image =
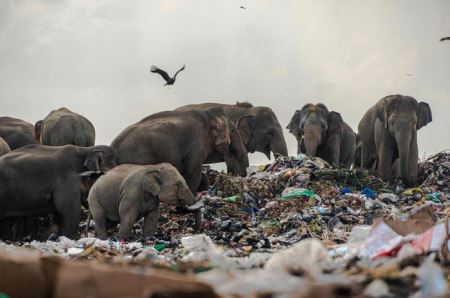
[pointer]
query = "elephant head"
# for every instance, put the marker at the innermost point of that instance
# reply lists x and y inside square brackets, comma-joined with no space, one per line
[312,126]
[400,118]
[166,183]
[261,131]
[99,159]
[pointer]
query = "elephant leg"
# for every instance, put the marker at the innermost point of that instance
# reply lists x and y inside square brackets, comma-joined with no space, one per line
[385,162]
[99,216]
[67,204]
[366,157]
[151,223]
[127,221]
[193,176]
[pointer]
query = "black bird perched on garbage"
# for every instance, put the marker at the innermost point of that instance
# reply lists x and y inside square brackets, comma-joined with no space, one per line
[444,38]
[169,80]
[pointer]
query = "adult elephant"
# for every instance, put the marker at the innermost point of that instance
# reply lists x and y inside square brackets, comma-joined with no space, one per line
[64,127]
[4,147]
[388,132]
[237,146]
[38,180]
[258,126]
[322,133]
[17,133]
[182,138]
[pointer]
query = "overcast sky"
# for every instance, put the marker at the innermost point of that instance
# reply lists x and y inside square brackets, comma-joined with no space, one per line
[94,58]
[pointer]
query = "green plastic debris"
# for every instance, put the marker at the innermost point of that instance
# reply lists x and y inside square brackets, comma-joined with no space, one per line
[270,224]
[434,197]
[233,199]
[158,247]
[294,194]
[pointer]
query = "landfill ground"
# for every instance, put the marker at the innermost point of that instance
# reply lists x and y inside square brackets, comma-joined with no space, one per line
[293,228]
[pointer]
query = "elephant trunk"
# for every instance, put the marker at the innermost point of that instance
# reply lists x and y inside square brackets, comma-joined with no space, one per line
[408,157]
[187,198]
[278,145]
[312,139]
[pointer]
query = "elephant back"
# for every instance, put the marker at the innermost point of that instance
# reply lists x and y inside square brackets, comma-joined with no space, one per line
[64,127]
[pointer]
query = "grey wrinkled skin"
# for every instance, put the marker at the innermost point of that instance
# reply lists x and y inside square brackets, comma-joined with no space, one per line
[388,132]
[39,180]
[258,126]
[322,133]
[182,138]
[17,133]
[129,192]
[4,147]
[64,127]
[237,147]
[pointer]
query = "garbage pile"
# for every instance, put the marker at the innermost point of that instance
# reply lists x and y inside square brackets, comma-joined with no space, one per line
[296,228]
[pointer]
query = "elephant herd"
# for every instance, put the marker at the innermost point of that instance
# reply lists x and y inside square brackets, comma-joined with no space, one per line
[52,168]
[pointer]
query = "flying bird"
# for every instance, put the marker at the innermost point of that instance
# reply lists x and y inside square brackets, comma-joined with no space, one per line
[444,38]
[169,80]
[242,7]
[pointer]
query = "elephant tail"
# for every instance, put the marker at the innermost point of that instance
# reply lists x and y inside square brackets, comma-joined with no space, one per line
[88,221]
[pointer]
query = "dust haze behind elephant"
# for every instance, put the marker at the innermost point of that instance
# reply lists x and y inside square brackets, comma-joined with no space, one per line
[4,147]
[65,127]
[237,146]
[130,192]
[17,133]
[182,138]
[260,132]
[40,180]
[388,133]
[322,133]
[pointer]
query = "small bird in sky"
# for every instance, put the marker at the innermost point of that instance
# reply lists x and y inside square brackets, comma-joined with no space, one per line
[243,7]
[444,38]
[169,80]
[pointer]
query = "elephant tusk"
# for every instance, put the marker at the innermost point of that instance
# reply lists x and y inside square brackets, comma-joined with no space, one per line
[89,173]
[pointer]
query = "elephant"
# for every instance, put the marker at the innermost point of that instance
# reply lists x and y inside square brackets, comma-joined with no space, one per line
[17,133]
[388,132]
[258,126]
[237,146]
[182,138]
[39,180]
[129,192]
[4,147]
[64,127]
[324,134]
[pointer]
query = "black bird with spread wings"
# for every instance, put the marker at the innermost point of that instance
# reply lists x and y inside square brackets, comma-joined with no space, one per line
[166,77]
[444,38]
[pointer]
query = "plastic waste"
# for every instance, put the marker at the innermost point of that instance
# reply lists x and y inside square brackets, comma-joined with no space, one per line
[307,255]
[368,193]
[294,192]
[388,197]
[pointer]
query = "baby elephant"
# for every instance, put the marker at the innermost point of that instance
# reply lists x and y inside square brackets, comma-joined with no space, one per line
[129,192]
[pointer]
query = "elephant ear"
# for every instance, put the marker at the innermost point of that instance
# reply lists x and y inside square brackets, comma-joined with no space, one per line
[294,124]
[94,160]
[381,111]
[423,115]
[220,130]
[335,123]
[152,183]
[244,126]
